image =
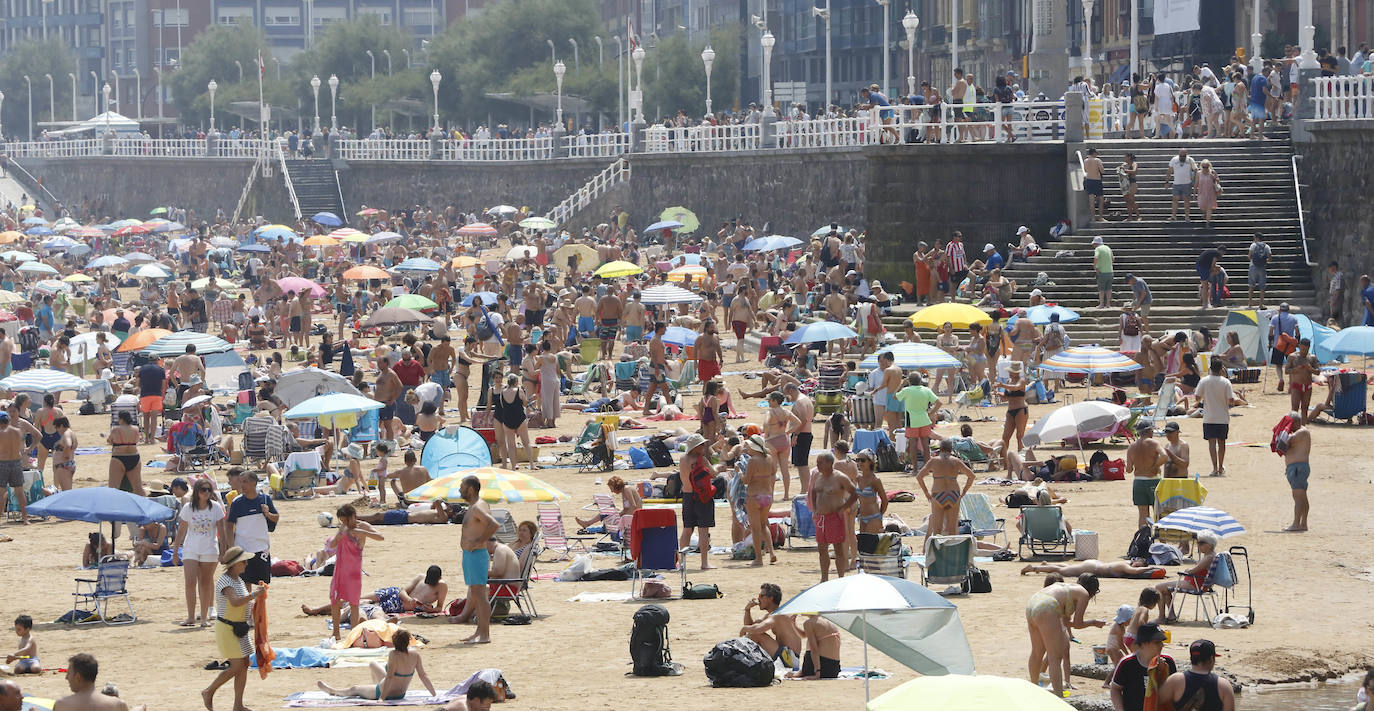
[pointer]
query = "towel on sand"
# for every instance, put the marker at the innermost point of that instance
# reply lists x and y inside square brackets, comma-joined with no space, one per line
[319,699]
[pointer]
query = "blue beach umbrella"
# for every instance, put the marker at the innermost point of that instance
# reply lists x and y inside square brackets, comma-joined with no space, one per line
[770,243]
[262,248]
[679,336]
[912,356]
[664,225]
[1355,340]
[98,504]
[328,219]
[418,264]
[1040,315]
[35,221]
[39,231]
[1201,519]
[333,408]
[487,297]
[821,331]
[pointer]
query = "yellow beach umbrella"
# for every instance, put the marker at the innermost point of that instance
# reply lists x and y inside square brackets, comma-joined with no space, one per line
[10,237]
[8,298]
[691,271]
[497,485]
[585,255]
[464,262]
[618,268]
[321,241]
[78,278]
[957,315]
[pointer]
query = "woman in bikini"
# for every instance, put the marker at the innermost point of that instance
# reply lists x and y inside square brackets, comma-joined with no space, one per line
[45,417]
[943,492]
[947,341]
[126,467]
[1017,413]
[872,495]
[466,357]
[428,420]
[1050,613]
[776,427]
[390,682]
[64,454]
[759,482]
[708,410]
[977,349]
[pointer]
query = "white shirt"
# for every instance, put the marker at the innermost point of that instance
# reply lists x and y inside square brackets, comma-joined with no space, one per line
[1164,98]
[1216,393]
[1208,78]
[1183,170]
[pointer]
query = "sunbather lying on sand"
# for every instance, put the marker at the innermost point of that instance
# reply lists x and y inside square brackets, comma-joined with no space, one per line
[1100,568]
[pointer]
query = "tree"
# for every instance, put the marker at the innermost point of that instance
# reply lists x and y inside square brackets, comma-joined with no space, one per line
[35,58]
[212,56]
[675,78]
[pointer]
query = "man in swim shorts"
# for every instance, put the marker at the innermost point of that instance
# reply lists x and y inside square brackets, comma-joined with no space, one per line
[778,635]
[1297,469]
[478,528]
[1144,459]
[11,470]
[831,493]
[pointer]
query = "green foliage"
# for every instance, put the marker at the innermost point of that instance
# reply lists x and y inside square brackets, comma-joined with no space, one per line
[35,58]
[675,78]
[211,56]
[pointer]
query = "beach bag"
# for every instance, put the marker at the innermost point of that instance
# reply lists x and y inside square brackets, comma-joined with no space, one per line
[658,453]
[1278,443]
[738,663]
[483,331]
[1055,339]
[640,459]
[887,457]
[979,580]
[1285,344]
[703,591]
[1130,325]
[1165,554]
[649,651]
[1141,103]
[1139,549]
[287,569]
[1114,470]
[1095,463]
[655,589]
[1017,499]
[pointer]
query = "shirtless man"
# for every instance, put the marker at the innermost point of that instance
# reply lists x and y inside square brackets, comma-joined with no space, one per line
[1297,469]
[586,312]
[11,466]
[830,497]
[1144,458]
[658,367]
[779,635]
[407,478]
[802,437]
[505,565]
[1301,367]
[387,391]
[303,301]
[957,91]
[296,317]
[1092,184]
[708,351]
[433,512]
[1177,449]
[608,313]
[478,529]
[82,670]
[189,364]
[741,314]
[635,316]
[892,382]
[943,492]
[535,303]
[441,360]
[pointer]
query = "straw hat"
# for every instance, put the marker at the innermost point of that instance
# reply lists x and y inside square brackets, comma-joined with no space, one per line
[234,555]
[756,443]
[693,441]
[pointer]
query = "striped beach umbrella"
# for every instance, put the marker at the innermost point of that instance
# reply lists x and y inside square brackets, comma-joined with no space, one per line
[1200,519]
[477,229]
[691,271]
[912,356]
[42,380]
[497,485]
[175,344]
[418,264]
[668,294]
[1089,359]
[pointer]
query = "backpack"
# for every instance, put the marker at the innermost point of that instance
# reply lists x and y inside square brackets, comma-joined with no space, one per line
[979,581]
[887,458]
[640,459]
[1140,544]
[483,331]
[1261,255]
[658,453]
[1017,499]
[1130,325]
[738,662]
[1055,339]
[649,643]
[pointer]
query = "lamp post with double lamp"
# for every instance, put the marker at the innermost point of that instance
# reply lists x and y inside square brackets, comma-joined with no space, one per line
[577,63]
[434,78]
[138,92]
[887,48]
[334,103]
[211,87]
[1256,62]
[315,89]
[620,84]
[373,60]
[2,120]
[767,41]
[637,105]
[158,71]
[708,57]
[1088,40]
[909,23]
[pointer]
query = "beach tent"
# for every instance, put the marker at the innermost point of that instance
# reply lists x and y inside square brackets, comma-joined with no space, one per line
[99,124]
[222,371]
[450,450]
[1253,328]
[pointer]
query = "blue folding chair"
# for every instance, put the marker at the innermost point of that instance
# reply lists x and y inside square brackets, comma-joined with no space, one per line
[93,595]
[803,524]
[653,545]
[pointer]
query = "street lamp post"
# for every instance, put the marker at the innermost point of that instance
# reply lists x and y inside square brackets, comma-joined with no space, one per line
[558,71]
[887,50]
[315,89]
[73,78]
[138,92]
[1135,39]
[158,71]
[577,63]
[824,14]
[708,57]
[766,42]
[406,52]
[277,61]
[119,98]
[1307,35]
[1088,39]
[553,51]
[637,103]
[954,36]
[106,91]
[600,52]
[387,54]
[52,99]
[434,78]
[334,102]
[2,120]
[1256,38]
[211,87]
[373,59]
[95,89]
[619,84]
[909,23]
[30,92]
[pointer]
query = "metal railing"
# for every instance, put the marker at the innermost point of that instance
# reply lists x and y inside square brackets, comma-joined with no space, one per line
[826,133]
[985,122]
[247,189]
[703,139]
[614,174]
[81,148]
[1302,221]
[53,202]
[286,178]
[596,145]
[1343,97]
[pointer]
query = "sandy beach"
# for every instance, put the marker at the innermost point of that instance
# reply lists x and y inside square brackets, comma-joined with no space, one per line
[1309,590]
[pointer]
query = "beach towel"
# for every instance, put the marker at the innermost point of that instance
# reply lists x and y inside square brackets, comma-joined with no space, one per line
[319,699]
[262,649]
[600,597]
[297,658]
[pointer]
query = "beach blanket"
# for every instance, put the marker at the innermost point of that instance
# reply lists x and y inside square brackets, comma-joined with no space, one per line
[319,699]
[93,450]
[296,658]
[851,673]
[600,597]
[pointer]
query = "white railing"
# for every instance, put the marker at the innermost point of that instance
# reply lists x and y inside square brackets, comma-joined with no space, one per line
[827,133]
[497,149]
[52,149]
[286,178]
[382,149]
[1344,97]
[247,189]
[596,145]
[703,139]
[987,122]
[614,174]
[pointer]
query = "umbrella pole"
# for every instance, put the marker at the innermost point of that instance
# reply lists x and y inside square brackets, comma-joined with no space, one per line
[865,620]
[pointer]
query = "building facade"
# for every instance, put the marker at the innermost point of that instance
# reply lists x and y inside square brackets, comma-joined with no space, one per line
[81,26]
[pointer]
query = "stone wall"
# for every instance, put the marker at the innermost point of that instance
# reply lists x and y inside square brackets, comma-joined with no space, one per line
[469,186]
[123,187]
[1340,212]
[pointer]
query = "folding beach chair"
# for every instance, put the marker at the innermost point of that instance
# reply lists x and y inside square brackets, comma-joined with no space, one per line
[299,473]
[555,537]
[517,590]
[589,349]
[861,413]
[255,435]
[1164,401]
[977,509]
[685,377]
[93,596]
[653,545]
[626,374]
[1221,575]
[1349,401]
[505,531]
[803,524]
[582,448]
[881,554]
[612,523]
[948,560]
[129,407]
[1044,532]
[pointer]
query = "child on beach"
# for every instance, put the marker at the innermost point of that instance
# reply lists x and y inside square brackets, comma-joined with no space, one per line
[381,471]
[25,659]
[347,583]
[1149,598]
[1116,644]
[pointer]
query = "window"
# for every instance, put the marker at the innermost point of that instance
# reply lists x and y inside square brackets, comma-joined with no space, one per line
[322,16]
[417,17]
[172,17]
[281,15]
[1044,17]
[383,14]
[234,16]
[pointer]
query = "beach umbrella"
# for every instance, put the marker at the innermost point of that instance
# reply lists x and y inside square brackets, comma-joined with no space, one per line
[1040,315]
[165,227]
[82,232]
[538,223]
[79,250]
[158,211]
[901,618]
[477,229]
[224,242]
[59,243]
[418,264]
[142,339]
[1089,359]
[296,386]
[487,297]
[677,213]
[366,272]
[960,692]
[77,278]
[958,315]
[498,485]
[299,284]
[36,268]
[42,380]
[668,294]
[130,230]
[15,255]
[379,238]
[320,241]
[1201,519]
[770,243]
[10,237]
[35,220]
[664,225]
[98,504]
[1074,420]
[368,212]
[255,247]
[522,252]
[109,260]
[175,344]
[126,222]
[139,257]
[151,270]
[585,255]
[84,347]
[503,210]
[412,301]
[691,271]
[9,298]
[464,262]
[1355,340]
[52,286]
[328,219]
[277,232]
[683,259]
[821,331]
[616,269]
[39,231]
[393,316]
[912,356]
[680,336]
[333,410]
[824,230]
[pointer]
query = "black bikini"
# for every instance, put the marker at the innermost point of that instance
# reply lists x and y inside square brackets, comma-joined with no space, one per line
[130,461]
[1014,411]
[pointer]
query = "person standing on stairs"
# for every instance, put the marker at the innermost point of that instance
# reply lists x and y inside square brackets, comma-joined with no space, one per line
[1209,283]
[1102,267]
[1259,270]
[1182,169]
[1092,185]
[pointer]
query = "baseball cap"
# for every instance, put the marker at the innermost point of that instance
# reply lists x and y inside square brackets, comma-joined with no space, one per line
[1124,613]
[1022,230]
[1149,632]
[1201,650]
[1284,306]
[1143,426]
[989,248]
[1170,427]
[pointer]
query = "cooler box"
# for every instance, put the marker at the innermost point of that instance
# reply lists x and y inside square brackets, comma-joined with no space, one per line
[1084,545]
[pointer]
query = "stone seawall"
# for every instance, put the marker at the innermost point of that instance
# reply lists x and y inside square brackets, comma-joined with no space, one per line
[129,187]
[469,186]
[1336,192]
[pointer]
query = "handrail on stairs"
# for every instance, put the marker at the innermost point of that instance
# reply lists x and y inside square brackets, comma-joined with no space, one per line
[1302,222]
[53,202]
[247,189]
[286,178]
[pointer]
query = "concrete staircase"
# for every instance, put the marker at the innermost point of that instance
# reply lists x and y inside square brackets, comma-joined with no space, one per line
[1258,197]
[316,186]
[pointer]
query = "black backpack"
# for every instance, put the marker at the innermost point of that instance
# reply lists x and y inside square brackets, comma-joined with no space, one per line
[887,458]
[658,453]
[738,662]
[1140,545]
[649,643]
